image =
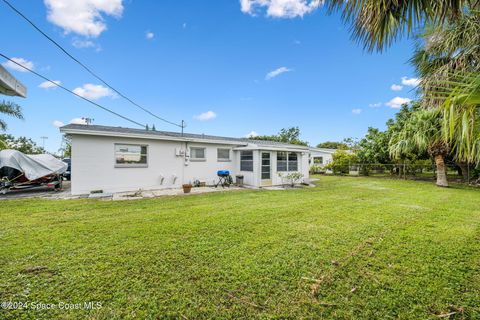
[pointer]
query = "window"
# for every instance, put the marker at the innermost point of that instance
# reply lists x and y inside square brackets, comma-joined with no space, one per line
[292,161]
[281,161]
[197,154]
[223,154]
[246,160]
[287,161]
[318,160]
[130,155]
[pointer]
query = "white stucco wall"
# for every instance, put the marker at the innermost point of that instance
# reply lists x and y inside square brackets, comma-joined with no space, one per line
[93,165]
[327,157]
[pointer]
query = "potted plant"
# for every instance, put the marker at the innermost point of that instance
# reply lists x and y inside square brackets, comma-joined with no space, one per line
[187,188]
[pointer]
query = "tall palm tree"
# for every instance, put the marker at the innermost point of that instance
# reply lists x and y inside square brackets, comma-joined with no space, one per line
[422,133]
[10,109]
[378,23]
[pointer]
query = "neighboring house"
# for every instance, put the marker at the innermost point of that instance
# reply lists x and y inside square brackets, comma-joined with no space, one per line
[321,156]
[114,159]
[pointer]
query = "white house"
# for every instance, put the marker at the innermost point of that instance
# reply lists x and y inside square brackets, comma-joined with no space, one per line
[115,159]
[321,156]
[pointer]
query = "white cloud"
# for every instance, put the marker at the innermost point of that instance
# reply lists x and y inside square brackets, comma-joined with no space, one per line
[184,25]
[205,116]
[397,102]
[48,84]
[356,111]
[13,66]
[277,72]
[375,105]
[58,123]
[396,87]
[84,17]
[412,82]
[149,35]
[93,92]
[251,134]
[81,44]
[78,121]
[280,8]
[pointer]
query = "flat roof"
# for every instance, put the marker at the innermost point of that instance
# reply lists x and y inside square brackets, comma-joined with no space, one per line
[169,135]
[10,86]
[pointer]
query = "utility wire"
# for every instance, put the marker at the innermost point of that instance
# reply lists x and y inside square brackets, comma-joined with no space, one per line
[87,68]
[68,90]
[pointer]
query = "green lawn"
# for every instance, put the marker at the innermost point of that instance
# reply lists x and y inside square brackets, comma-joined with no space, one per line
[355,248]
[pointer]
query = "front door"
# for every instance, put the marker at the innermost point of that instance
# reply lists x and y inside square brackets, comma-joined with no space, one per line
[266,169]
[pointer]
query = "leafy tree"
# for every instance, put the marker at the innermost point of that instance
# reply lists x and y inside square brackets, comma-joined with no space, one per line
[22,144]
[10,109]
[422,133]
[287,135]
[341,161]
[378,23]
[373,148]
[333,145]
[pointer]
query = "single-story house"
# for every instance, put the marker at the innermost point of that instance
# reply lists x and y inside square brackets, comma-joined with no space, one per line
[116,159]
[321,156]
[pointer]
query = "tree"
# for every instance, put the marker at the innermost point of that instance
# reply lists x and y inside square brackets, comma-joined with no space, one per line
[287,135]
[10,109]
[422,133]
[332,145]
[378,23]
[341,161]
[22,144]
[373,148]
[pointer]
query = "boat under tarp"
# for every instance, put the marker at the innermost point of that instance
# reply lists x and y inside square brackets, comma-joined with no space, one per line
[14,163]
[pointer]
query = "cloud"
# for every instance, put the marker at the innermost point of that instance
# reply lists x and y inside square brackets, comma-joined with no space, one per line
[81,44]
[78,121]
[149,35]
[48,84]
[397,102]
[277,72]
[11,65]
[412,82]
[93,92]
[205,116]
[356,111]
[251,134]
[396,87]
[280,8]
[58,123]
[83,17]
[375,105]
[184,25]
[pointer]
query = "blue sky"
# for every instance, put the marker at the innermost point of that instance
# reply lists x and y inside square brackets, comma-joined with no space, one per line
[226,67]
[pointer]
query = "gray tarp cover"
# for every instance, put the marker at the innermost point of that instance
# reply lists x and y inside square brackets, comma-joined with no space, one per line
[32,166]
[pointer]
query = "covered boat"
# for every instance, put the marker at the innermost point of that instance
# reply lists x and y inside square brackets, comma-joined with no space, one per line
[20,170]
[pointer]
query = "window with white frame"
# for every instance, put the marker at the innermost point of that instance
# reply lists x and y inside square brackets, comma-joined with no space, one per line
[287,161]
[318,160]
[197,154]
[131,155]
[223,154]
[246,160]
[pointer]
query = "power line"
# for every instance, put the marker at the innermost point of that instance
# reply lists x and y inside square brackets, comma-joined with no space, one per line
[70,91]
[87,68]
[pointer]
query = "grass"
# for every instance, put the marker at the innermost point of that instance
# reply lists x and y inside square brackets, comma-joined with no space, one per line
[358,248]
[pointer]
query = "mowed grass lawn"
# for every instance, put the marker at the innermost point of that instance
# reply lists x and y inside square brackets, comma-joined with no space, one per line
[351,248]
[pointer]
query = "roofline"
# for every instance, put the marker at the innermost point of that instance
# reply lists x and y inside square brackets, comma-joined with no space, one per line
[272,148]
[146,136]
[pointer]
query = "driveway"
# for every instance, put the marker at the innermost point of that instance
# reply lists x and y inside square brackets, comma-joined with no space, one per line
[39,192]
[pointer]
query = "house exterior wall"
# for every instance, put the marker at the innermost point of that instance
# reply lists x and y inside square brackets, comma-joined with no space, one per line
[93,165]
[327,157]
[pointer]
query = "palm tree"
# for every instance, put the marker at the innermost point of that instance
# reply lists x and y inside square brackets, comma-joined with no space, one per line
[378,23]
[11,109]
[422,133]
